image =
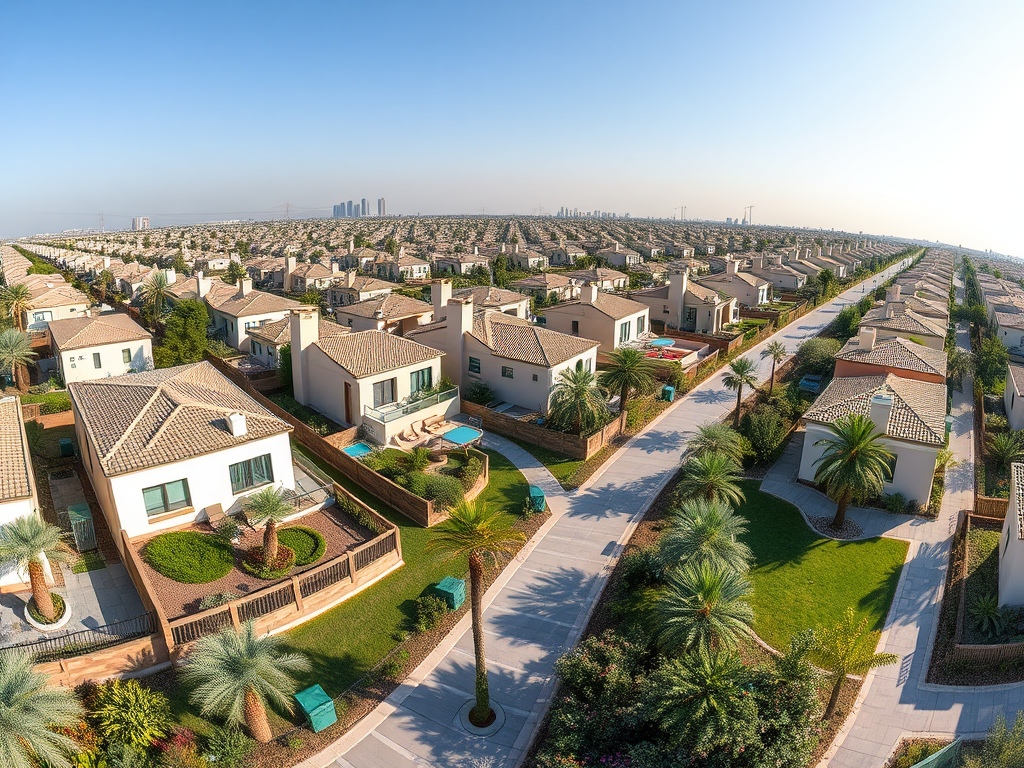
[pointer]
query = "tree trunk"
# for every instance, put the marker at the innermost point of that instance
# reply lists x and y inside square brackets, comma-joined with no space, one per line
[739,400]
[482,711]
[771,381]
[256,718]
[623,397]
[40,592]
[833,700]
[270,542]
[840,519]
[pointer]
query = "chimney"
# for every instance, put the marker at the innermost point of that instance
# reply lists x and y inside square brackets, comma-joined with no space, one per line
[304,327]
[890,310]
[203,284]
[516,248]
[106,262]
[881,408]
[236,424]
[476,250]
[171,276]
[335,267]
[502,247]
[460,322]
[616,246]
[588,293]
[730,266]
[677,284]
[440,296]
[866,339]
[757,263]
[245,286]
[351,244]
[893,293]
[289,268]
[350,278]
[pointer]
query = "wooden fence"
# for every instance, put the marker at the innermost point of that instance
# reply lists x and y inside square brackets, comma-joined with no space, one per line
[988,506]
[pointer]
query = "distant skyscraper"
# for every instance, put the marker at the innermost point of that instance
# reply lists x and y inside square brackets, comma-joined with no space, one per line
[365,210]
[339,211]
[350,211]
[382,208]
[139,223]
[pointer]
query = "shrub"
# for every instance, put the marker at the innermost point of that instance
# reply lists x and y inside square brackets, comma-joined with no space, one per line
[52,402]
[845,324]
[308,545]
[229,747]
[255,563]
[130,714]
[766,430]
[986,616]
[640,568]
[126,756]
[430,609]
[40,389]
[470,472]
[479,393]
[896,503]
[216,600]
[816,356]
[360,515]
[444,490]
[996,423]
[190,557]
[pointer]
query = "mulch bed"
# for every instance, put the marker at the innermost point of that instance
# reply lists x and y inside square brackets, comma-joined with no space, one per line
[823,525]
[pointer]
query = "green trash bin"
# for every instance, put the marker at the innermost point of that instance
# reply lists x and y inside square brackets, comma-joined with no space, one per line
[318,707]
[668,393]
[537,498]
[452,591]
[67,447]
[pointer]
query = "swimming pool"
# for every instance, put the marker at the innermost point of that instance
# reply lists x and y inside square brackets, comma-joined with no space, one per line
[357,450]
[462,435]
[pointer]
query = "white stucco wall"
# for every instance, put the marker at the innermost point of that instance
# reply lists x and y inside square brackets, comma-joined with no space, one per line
[78,364]
[58,313]
[1011,337]
[236,333]
[1013,401]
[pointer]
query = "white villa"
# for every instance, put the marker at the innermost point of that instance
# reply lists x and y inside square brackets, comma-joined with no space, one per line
[17,480]
[610,320]
[101,346]
[1011,544]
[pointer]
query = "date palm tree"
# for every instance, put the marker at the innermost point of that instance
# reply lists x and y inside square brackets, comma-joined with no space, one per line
[25,541]
[15,353]
[702,606]
[629,371]
[576,403]
[959,363]
[711,476]
[702,531]
[30,710]
[1005,448]
[854,461]
[777,352]
[268,507]
[739,374]
[103,280]
[16,300]
[716,437]
[154,292]
[480,536]
[237,673]
[845,649]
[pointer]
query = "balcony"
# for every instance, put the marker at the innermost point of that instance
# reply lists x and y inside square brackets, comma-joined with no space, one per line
[389,413]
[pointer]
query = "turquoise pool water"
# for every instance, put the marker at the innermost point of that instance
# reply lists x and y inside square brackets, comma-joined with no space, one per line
[357,450]
[462,435]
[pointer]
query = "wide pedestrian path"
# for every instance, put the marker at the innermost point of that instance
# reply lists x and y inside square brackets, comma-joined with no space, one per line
[539,606]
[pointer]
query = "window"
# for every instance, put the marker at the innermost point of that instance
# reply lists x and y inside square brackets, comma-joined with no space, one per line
[506,372]
[665,310]
[166,498]
[691,314]
[383,393]
[257,348]
[624,330]
[575,327]
[535,377]
[474,365]
[420,380]
[890,469]
[126,355]
[42,317]
[96,361]
[250,473]
[639,325]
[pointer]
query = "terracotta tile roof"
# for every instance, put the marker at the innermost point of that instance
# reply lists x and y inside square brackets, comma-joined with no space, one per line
[549,280]
[369,352]
[744,277]
[387,307]
[279,331]
[253,303]
[15,467]
[1009,319]
[189,288]
[597,274]
[160,417]
[907,322]
[1016,372]
[918,407]
[364,284]
[488,296]
[615,307]
[61,295]
[516,339]
[111,328]
[897,353]
[312,271]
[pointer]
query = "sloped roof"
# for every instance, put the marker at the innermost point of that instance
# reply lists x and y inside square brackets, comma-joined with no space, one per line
[597,274]
[253,303]
[615,307]
[15,467]
[364,284]
[516,339]
[149,419]
[370,352]
[279,331]
[59,296]
[488,296]
[896,353]
[907,321]
[81,332]
[549,280]
[386,307]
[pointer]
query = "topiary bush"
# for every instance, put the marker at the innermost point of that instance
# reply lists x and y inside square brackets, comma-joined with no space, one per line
[255,564]
[896,503]
[131,714]
[190,557]
[470,472]
[766,430]
[430,609]
[308,545]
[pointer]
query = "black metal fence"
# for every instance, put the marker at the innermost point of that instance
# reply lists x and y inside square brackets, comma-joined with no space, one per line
[87,640]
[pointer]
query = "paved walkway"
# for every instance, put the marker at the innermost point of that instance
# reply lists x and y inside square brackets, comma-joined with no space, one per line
[539,606]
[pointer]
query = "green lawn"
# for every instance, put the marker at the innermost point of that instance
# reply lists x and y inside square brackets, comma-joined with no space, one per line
[562,467]
[803,581]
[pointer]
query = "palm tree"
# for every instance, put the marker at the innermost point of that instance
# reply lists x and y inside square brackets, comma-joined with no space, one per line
[959,363]
[740,374]
[576,402]
[25,541]
[478,535]
[15,353]
[844,650]
[702,606]
[854,460]
[270,507]
[16,300]
[715,437]
[629,371]
[704,531]
[711,476]
[237,673]
[1005,448]
[104,279]
[29,711]
[703,700]
[777,352]
[154,291]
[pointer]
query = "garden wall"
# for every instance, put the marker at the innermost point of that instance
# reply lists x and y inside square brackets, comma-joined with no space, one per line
[132,659]
[987,506]
[779,317]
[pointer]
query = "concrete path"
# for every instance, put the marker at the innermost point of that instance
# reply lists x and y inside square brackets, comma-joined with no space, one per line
[539,606]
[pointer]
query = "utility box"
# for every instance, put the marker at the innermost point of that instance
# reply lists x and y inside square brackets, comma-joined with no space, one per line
[67,447]
[452,591]
[318,707]
[668,394]
[537,500]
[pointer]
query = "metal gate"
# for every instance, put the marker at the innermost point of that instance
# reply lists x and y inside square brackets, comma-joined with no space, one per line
[78,519]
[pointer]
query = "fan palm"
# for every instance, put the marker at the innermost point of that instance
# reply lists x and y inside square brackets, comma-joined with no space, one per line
[237,673]
[270,507]
[479,536]
[629,371]
[711,476]
[702,606]
[958,364]
[15,353]
[702,531]
[715,437]
[576,403]
[1005,448]
[25,541]
[854,461]
[845,649]
[777,352]
[16,300]
[739,374]
[154,291]
[29,711]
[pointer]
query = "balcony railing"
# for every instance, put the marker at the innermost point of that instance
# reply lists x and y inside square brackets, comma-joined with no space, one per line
[398,410]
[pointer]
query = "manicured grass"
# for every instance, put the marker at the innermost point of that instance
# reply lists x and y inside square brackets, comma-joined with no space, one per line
[802,581]
[46,442]
[982,577]
[53,402]
[562,467]
[308,545]
[89,561]
[190,557]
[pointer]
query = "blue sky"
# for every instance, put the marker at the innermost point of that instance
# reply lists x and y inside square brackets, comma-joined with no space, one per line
[893,118]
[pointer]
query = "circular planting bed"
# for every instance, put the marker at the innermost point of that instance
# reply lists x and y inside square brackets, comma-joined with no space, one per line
[256,564]
[40,622]
[307,544]
[190,557]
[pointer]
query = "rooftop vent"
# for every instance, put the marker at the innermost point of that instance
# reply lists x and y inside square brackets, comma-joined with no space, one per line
[236,424]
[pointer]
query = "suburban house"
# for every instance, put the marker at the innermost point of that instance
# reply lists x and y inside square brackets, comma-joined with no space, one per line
[391,313]
[604,278]
[521,362]
[525,258]
[111,344]
[653,272]
[911,414]
[266,340]
[351,288]
[400,267]
[837,269]
[175,446]
[1011,543]
[610,320]
[1009,329]
[17,481]
[267,271]
[243,309]
[306,277]
[620,256]
[484,297]
[782,277]
[936,310]
[864,355]
[892,320]
[548,285]
[54,301]
[687,305]
[362,259]
[564,254]
[748,289]
[651,250]
[1014,389]
[378,381]
[460,263]
[681,250]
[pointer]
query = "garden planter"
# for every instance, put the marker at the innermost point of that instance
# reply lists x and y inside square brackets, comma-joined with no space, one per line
[61,622]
